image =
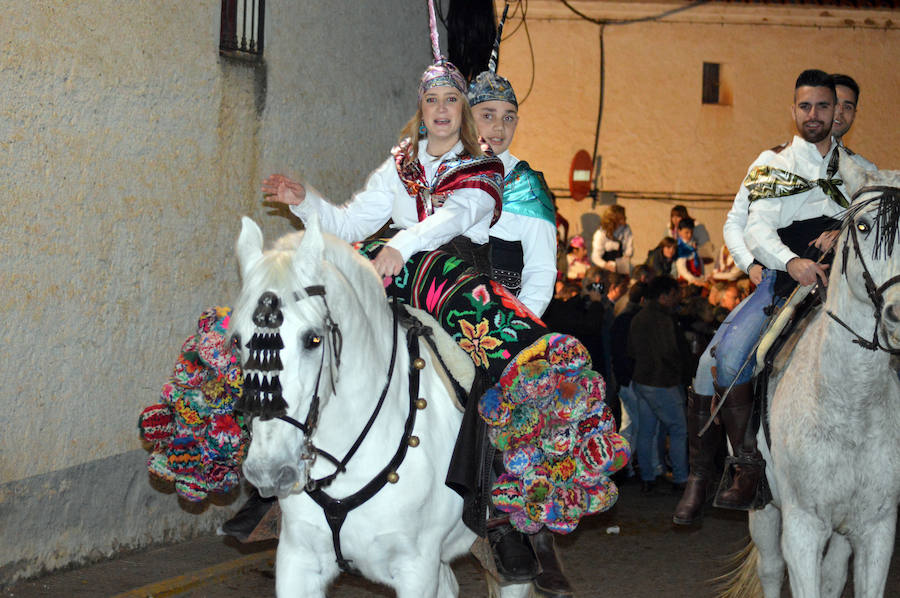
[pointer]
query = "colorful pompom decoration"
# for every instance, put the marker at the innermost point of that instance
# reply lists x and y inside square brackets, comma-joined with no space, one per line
[196,440]
[549,417]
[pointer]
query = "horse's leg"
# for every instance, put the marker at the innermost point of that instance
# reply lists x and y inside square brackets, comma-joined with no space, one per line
[803,539]
[304,561]
[417,576]
[298,573]
[872,557]
[834,566]
[765,531]
[447,585]
[515,590]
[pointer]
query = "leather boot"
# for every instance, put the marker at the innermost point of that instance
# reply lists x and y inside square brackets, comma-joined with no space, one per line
[551,582]
[513,554]
[250,516]
[701,482]
[735,415]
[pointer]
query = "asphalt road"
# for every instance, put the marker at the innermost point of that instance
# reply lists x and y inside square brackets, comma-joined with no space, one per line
[632,550]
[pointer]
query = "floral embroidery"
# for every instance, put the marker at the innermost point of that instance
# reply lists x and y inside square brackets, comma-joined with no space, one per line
[434,295]
[481,293]
[511,302]
[476,341]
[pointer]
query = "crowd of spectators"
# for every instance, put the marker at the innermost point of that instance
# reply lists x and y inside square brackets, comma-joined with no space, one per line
[646,326]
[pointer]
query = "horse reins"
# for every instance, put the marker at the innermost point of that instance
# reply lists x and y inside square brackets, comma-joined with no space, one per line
[874,292]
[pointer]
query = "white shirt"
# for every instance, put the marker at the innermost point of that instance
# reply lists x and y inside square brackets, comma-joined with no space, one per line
[622,238]
[465,212]
[538,238]
[767,215]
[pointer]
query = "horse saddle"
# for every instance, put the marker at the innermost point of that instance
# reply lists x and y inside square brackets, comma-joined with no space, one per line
[454,363]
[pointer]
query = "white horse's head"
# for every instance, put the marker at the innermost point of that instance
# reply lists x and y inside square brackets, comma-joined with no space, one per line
[297,301]
[868,254]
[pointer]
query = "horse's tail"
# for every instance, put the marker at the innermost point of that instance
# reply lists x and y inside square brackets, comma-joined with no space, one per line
[741,581]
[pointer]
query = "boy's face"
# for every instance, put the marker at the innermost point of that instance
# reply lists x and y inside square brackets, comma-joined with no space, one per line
[686,234]
[496,121]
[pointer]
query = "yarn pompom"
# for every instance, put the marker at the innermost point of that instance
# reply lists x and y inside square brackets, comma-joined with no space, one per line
[197,441]
[548,416]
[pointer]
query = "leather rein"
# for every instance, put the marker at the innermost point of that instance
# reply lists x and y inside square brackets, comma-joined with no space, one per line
[874,292]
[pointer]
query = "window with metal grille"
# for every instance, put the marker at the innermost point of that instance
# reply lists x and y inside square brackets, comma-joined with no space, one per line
[242,27]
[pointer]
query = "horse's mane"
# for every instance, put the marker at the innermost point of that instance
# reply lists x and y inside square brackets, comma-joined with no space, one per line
[887,217]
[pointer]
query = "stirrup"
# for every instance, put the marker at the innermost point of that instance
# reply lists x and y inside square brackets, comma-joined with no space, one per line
[763,494]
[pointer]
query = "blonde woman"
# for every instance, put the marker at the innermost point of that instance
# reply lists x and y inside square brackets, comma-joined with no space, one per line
[613,243]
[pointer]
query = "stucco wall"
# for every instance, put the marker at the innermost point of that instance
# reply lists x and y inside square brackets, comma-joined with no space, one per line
[128,152]
[657,140]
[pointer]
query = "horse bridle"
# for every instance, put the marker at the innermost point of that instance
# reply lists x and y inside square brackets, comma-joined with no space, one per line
[336,510]
[875,292]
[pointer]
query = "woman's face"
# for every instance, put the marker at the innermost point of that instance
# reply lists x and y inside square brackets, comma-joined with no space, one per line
[675,218]
[669,251]
[442,113]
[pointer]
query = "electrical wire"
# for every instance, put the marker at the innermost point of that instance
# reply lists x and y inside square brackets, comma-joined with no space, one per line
[661,15]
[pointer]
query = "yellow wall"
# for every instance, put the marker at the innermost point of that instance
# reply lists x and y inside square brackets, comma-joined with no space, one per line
[657,140]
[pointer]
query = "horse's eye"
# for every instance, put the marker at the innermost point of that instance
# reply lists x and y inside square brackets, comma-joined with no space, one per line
[862,227]
[312,340]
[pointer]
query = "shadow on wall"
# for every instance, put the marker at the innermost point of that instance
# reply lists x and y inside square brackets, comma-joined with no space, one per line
[590,222]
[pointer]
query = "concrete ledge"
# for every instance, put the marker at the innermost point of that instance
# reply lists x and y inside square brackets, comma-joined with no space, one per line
[93,511]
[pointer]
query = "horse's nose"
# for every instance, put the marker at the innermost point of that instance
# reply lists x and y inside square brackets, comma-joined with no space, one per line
[892,313]
[287,477]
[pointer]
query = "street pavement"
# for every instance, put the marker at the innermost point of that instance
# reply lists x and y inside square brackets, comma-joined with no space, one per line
[633,550]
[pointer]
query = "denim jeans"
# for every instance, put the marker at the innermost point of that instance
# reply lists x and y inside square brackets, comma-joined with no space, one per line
[631,425]
[664,405]
[735,340]
[703,379]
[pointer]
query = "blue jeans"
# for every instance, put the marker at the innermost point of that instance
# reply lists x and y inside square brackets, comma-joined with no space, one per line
[664,405]
[631,425]
[735,340]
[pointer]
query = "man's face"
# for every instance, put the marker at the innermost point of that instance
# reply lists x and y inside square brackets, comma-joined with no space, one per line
[845,111]
[813,112]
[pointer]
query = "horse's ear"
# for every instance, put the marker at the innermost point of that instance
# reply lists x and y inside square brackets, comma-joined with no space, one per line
[312,245]
[853,174]
[249,245]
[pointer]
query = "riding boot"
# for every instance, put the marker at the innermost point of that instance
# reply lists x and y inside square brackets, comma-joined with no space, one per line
[700,485]
[251,516]
[551,582]
[513,555]
[736,415]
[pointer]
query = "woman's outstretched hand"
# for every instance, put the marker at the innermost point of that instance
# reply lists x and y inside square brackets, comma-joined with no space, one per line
[281,189]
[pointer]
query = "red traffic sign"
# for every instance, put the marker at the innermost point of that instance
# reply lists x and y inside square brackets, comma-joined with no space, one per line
[580,175]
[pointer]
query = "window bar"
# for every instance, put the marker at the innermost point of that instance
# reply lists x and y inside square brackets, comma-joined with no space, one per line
[244,45]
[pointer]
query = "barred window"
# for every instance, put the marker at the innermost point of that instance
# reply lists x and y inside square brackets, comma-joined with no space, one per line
[242,27]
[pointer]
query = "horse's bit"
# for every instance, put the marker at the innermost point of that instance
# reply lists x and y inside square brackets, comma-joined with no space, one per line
[874,292]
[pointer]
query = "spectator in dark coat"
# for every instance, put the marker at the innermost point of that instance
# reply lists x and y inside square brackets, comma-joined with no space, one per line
[660,354]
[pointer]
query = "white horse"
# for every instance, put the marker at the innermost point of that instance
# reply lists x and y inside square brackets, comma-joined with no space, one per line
[343,414]
[834,467]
